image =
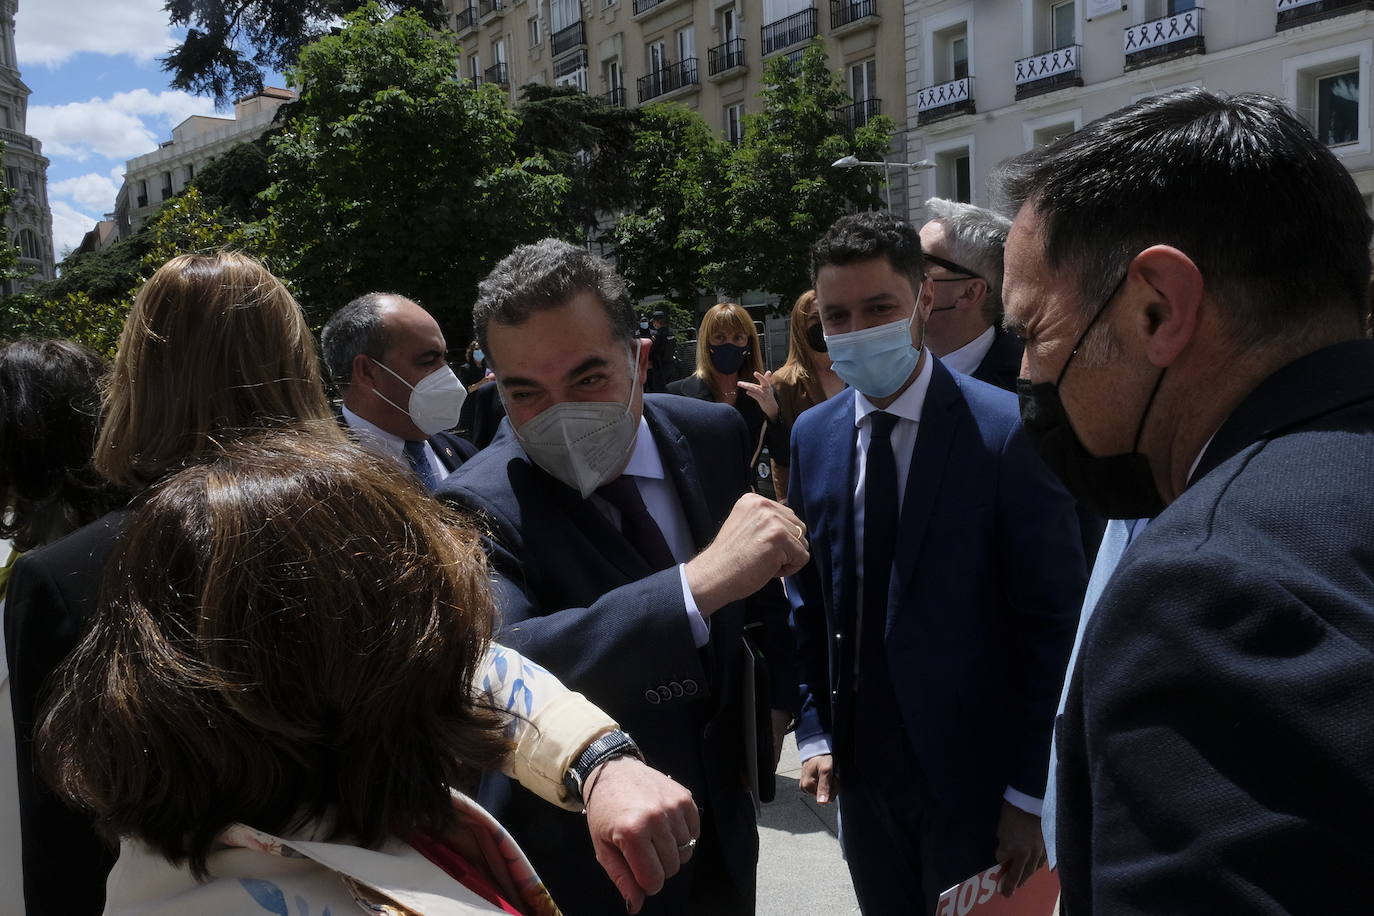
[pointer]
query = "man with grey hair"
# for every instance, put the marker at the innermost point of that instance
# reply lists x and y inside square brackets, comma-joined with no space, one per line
[629,557]
[386,356]
[963,246]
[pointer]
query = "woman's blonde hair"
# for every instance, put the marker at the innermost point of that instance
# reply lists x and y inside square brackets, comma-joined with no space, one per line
[731,319]
[214,346]
[800,367]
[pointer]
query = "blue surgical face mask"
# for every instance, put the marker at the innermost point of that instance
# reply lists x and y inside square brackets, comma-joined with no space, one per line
[875,361]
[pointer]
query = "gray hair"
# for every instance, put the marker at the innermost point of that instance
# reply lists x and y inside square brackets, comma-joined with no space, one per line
[355,328]
[547,275]
[976,238]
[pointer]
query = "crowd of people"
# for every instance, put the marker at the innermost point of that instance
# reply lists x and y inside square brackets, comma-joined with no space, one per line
[265,653]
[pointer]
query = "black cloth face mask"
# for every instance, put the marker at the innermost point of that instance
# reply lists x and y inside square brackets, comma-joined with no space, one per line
[815,337]
[727,358]
[1112,486]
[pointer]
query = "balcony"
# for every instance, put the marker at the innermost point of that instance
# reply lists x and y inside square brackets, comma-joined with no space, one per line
[1294,13]
[794,29]
[1164,39]
[644,6]
[615,98]
[1047,72]
[668,81]
[498,74]
[15,140]
[564,40]
[944,100]
[725,57]
[845,13]
[465,20]
[489,9]
[852,117]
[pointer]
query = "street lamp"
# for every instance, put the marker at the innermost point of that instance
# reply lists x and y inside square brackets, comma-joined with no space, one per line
[849,162]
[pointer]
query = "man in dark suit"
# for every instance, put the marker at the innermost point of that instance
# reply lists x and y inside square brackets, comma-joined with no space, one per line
[1190,274]
[936,619]
[662,354]
[387,357]
[629,557]
[963,246]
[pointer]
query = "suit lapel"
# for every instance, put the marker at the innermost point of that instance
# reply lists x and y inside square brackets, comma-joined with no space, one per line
[676,456]
[838,491]
[593,525]
[934,436]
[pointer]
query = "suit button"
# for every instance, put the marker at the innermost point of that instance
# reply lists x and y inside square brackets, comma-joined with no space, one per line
[689,687]
[676,688]
[651,696]
[664,693]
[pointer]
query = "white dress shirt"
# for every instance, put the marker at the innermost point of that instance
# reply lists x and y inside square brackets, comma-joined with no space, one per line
[665,507]
[908,409]
[967,358]
[389,445]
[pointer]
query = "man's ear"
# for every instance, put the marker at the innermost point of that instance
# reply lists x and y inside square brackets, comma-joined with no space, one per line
[1168,290]
[925,298]
[975,293]
[643,343]
[364,372]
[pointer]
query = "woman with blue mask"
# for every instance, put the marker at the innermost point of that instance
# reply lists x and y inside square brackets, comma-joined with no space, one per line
[730,371]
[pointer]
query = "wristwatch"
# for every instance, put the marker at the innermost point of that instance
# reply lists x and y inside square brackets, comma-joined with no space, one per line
[609,746]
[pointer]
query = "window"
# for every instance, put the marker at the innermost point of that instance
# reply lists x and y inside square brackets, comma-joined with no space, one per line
[166,185]
[535,37]
[190,172]
[498,51]
[729,25]
[5,120]
[954,173]
[686,44]
[1179,6]
[958,57]
[143,193]
[734,123]
[475,68]
[28,245]
[571,71]
[1044,136]
[1338,108]
[564,14]
[615,78]
[863,80]
[656,54]
[1063,30]
[11,177]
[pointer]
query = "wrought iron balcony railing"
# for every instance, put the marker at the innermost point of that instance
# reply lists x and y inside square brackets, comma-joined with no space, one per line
[1051,70]
[789,31]
[1292,13]
[670,78]
[497,74]
[466,19]
[614,98]
[486,7]
[843,12]
[852,117]
[944,100]
[725,56]
[1164,38]
[566,39]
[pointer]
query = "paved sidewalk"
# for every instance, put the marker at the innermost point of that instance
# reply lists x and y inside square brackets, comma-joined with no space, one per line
[800,869]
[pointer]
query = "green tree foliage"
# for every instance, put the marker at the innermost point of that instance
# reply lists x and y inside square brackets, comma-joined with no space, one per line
[781,192]
[393,175]
[230,43]
[677,171]
[585,140]
[235,178]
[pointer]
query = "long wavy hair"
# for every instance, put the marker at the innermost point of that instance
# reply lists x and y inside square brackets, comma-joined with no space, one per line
[800,366]
[214,346]
[287,636]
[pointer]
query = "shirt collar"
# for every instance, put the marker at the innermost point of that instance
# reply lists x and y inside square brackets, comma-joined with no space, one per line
[967,358]
[645,460]
[909,405]
[372,436]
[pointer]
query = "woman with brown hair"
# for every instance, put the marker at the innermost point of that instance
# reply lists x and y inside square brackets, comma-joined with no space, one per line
[730,371]
[806,378]
[276,701]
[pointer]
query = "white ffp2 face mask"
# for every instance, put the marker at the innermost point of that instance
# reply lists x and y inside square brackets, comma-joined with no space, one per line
[583,444]
[436,402]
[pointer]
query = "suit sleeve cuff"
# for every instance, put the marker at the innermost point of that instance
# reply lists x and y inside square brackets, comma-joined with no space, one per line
[1026,803]
[701,627]
[814,746]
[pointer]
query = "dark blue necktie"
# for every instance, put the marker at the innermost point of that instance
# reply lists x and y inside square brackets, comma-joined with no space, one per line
[636,523]
[880,528]
[420,464]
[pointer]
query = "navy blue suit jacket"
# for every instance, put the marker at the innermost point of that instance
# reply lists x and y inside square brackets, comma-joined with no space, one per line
[576,597]
[983,601]
[1216,751]
[1001,365]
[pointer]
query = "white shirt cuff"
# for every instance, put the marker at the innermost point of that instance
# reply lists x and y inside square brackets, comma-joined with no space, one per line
[814,746]
[701,627]
[1026,803]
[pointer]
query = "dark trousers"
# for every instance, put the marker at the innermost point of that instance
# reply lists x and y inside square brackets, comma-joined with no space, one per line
[903,847]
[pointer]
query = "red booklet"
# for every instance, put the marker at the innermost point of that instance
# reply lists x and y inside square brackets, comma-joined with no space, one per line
[978,896]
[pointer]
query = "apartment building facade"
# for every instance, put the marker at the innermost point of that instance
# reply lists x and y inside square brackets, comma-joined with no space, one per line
[155,177]
[706,54]
[994,78]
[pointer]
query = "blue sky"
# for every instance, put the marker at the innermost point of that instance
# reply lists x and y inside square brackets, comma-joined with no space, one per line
[99,98]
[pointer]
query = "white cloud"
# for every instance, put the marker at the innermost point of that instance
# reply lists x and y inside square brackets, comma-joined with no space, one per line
[91,192]
[69,225]
[125,125]
[50,32]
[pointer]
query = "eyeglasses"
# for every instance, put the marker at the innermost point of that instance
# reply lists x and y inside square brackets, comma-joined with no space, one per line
[952,268]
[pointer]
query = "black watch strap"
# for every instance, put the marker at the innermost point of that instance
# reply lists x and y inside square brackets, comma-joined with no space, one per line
[609,746]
